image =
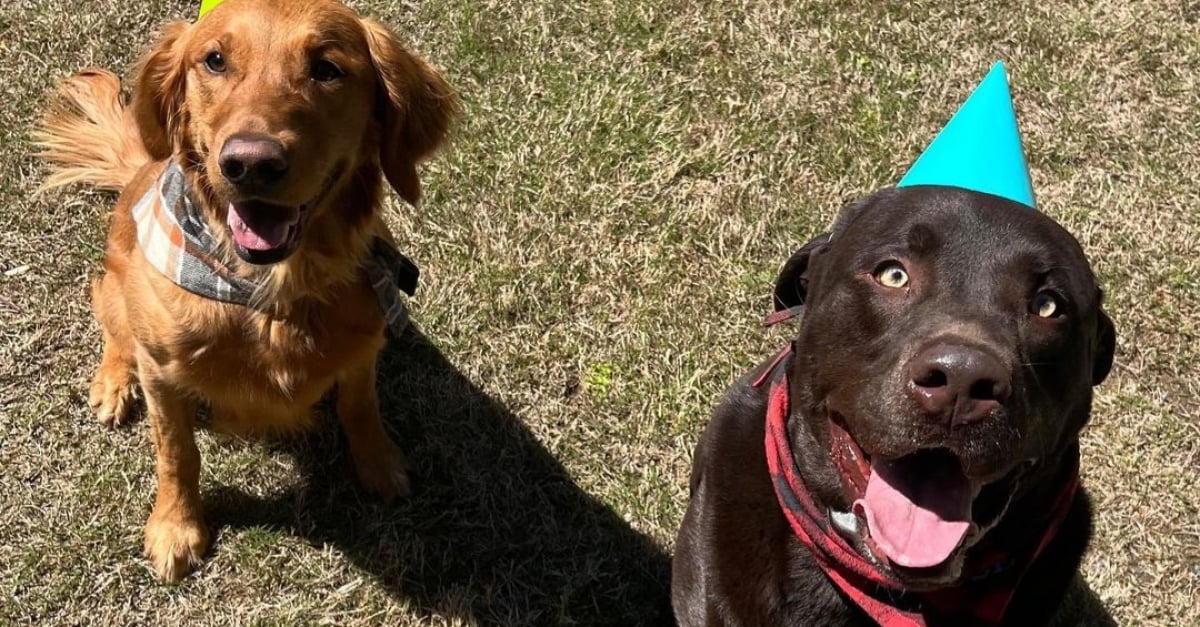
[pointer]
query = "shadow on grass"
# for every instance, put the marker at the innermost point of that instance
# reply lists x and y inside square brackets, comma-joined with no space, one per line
[1083,607]
[495,531]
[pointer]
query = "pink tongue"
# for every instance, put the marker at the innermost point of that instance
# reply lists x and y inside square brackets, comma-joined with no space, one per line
[257,233]
[917,508]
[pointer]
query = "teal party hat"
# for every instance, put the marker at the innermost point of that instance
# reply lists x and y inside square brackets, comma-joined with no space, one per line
[980,147]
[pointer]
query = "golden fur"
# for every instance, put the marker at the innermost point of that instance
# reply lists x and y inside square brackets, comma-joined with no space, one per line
[316,324]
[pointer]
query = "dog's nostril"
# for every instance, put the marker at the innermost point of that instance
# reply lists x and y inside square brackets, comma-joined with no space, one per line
[233,169]
[932,378]
[273,169]
[990,390]
[985,390]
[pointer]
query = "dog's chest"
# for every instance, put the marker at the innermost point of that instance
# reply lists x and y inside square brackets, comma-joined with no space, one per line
[237,355]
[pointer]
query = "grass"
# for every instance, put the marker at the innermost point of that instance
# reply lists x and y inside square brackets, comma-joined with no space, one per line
[597,249]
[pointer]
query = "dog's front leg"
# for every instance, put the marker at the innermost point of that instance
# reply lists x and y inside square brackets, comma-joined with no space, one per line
[380,465]
[176,537]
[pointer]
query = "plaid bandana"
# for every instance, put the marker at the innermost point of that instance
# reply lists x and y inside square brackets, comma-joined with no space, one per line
[983,597]
[177,242]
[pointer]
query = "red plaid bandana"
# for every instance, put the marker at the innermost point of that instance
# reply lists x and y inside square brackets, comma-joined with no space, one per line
[980,599]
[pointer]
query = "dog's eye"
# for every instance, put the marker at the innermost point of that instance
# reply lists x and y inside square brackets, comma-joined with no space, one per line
[215,62]
[1045,305]
[892,274]
[324,71]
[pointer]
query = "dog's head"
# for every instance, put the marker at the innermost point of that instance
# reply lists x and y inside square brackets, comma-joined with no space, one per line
[276,107]
[945,364]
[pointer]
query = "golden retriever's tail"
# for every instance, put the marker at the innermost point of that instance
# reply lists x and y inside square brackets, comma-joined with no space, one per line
[86,135]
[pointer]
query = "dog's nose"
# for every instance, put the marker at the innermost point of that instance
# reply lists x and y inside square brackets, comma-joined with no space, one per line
[959,384]
[249,159]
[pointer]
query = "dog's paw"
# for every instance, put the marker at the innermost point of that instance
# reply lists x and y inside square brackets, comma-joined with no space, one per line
[383,471]
[112,398]
[175,546]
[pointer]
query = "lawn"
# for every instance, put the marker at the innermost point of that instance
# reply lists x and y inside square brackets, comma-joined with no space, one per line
[597,247]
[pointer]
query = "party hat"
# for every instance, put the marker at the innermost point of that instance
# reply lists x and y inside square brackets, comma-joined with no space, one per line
[207,5]
[980,147]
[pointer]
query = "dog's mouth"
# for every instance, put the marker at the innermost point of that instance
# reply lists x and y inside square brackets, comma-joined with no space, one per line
[264,232]
[917,512]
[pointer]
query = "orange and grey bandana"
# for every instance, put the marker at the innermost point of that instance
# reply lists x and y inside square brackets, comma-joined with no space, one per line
[178,243]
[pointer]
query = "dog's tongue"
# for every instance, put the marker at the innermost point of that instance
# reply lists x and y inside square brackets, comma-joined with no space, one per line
[259,227]
[918,508]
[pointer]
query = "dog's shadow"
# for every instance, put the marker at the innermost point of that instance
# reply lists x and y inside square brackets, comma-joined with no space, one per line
[495,532]
[1083,608]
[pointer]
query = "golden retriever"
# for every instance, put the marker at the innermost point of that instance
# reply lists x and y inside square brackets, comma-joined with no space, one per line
[280,117]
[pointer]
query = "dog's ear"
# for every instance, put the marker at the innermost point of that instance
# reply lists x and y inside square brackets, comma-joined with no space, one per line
[1105,347]
[159,92]
[415,109]
[791,286]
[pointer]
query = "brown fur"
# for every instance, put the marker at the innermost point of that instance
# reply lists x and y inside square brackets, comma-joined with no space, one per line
[316,324]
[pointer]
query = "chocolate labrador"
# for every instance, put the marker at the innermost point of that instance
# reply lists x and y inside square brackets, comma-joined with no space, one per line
[911,458]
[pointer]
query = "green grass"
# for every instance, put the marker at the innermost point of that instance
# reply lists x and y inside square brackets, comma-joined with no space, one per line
[597,248]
